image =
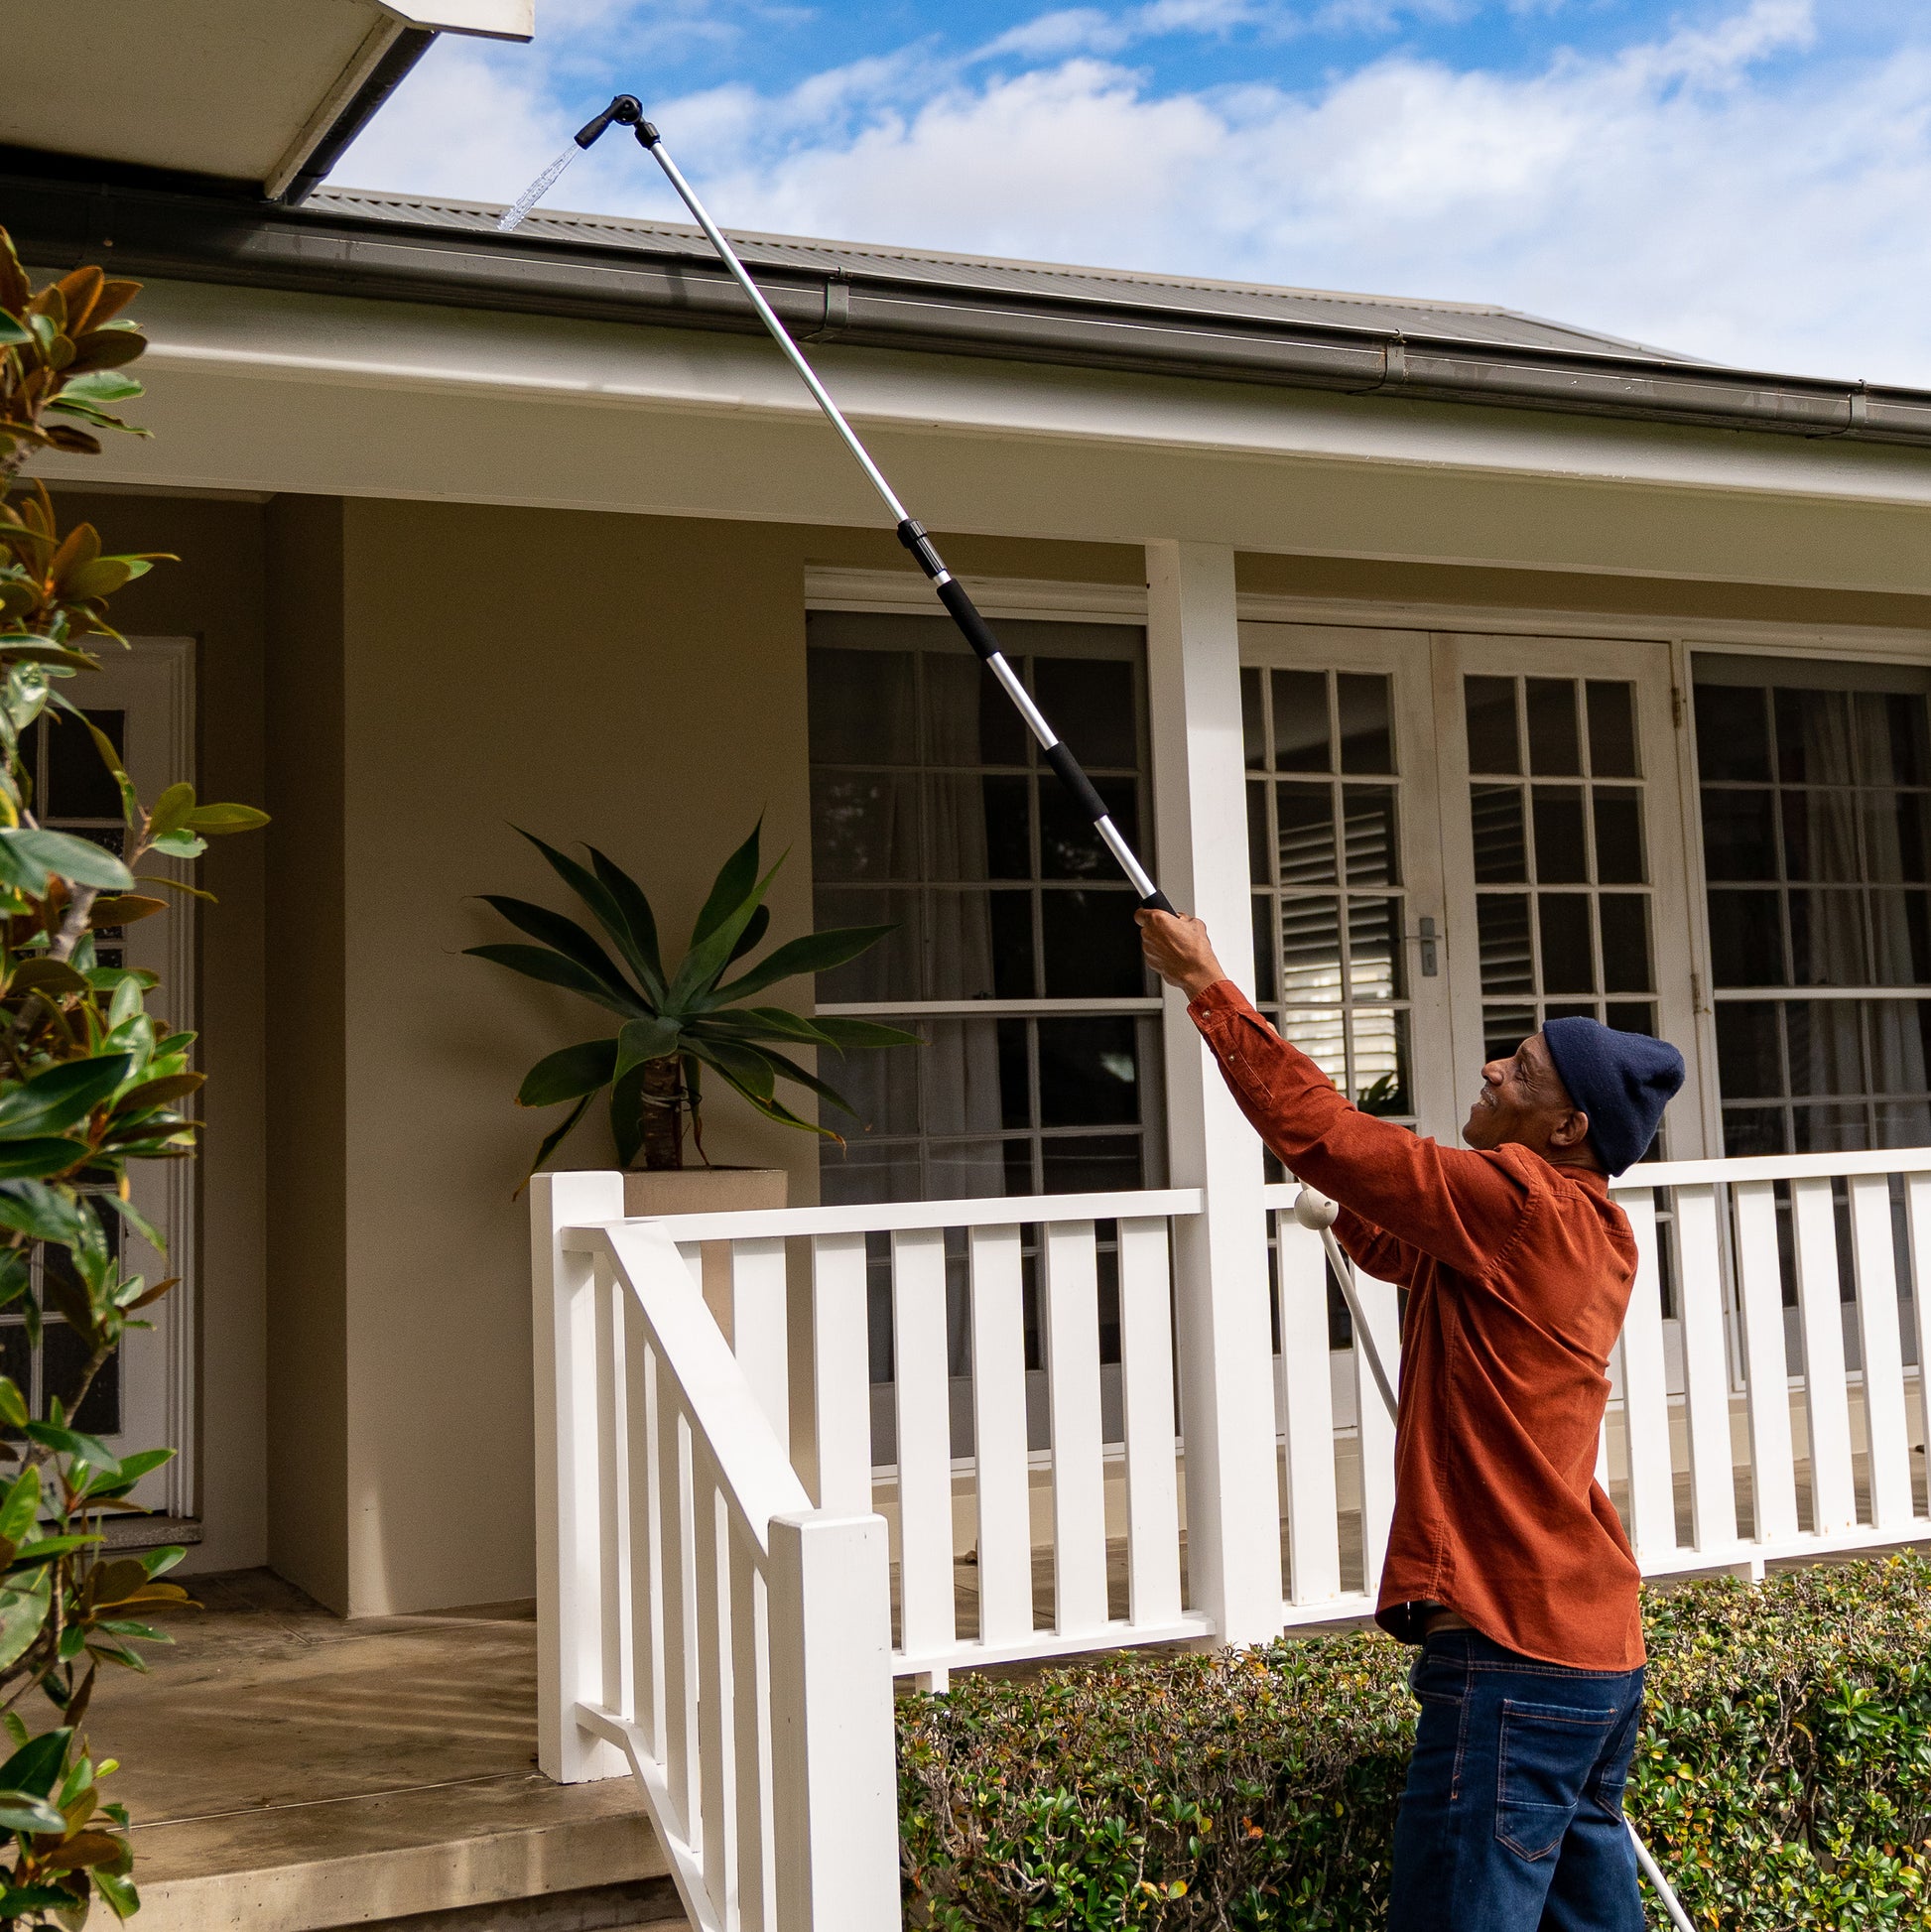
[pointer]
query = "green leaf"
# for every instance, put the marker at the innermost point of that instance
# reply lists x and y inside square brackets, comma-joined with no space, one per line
[565,937]
[847,1034]
[13,333]
[21,1810]
[124,1900]
[32,1207]
[749,940]
[41,1159]
[632,923]
[705,960]
[37,1765]
[24,1605]
[20,1507]
[89,1449]
[63,1095]
[555,1138]
[789,1070]
[749,1069]
[28,856]
[539,962]
[171,810]
[642,1039]
[627,1115]
[763,1023]
[216,821]
[16,1899]
[101,386]
[637,944]
[813,952]
[568,1073]
[13,1411]
[735,879]
[179,844]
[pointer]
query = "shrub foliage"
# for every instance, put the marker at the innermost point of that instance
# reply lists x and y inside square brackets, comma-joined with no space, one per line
[1783,1778]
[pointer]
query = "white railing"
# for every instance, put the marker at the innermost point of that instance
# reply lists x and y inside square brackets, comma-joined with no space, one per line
[700,1622]
[733,1646]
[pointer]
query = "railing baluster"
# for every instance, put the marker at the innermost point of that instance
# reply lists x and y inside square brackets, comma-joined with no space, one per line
[645,1524]
[1313,1525]
[613,1611]
[1070,1294]
[716,1733]
[842,1372]
[1645,1396]
[1706,1373]
[1917,1223]
[750,1736]
[1773,1467]
[761,1337]
[1827,1405]
[678,1566]
[1376,1433]
[1002,1480]
[1887,1442]
[1147,1382]
[923,1396]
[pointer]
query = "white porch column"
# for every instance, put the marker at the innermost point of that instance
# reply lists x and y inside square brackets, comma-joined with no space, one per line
[1226,1375]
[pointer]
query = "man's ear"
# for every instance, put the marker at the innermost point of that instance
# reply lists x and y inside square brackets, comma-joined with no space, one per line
[1571,1131]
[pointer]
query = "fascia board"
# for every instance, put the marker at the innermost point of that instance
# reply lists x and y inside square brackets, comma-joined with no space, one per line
[333,340]
[495,20]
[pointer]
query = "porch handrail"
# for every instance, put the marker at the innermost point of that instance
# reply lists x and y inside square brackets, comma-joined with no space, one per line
[1772,1167]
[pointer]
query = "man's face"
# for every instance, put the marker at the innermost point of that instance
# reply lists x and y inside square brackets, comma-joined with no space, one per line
[1524,1103]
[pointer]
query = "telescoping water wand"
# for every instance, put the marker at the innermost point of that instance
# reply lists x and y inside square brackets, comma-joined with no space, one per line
[1314,1210]
[627,111]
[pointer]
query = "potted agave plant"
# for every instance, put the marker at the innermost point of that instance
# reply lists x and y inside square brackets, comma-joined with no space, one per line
[678,1024]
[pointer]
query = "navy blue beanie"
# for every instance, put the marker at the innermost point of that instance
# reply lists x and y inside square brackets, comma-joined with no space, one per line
[1621,1080]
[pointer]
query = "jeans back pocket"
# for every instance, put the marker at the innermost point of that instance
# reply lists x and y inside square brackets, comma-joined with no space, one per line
[1546,1756]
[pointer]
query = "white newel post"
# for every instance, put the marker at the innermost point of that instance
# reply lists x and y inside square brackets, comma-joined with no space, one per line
[1227,1382]
[835,1783]
[570,1656]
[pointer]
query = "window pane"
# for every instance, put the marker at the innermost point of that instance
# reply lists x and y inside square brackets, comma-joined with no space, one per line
[1366,729]
[1381,1062]
[964,942]
[1374,949]
[861,707]
[1899,1033]
[968,1081]
[1739,840]
[1829,1130]
[1253,726]
[1305,815]
[1367,827]
[1258,872]
[864,825]
[1618,837]
[1321,1034]
[1263,921]
[1907,730]
[1092,700]
[1749,1056]
[1301,736]
[1309,949]
[1069,847]
[1504,1029]
[1560,858]
[1813,737]
[1612,729]
[1567,966]
[1732,733]
[887,971]
[79,784]
[1900,939]
[1093,947]
[964,1170]
[968,720]
[1500,848]
[1495,742]
[1092,1163]
[1630,1017]
[1754,1131]
[1826,939]
[1507,963]
[1625,942]
[1014,976]
[882,1087]
[1089,1073]
[1747,940]
[64,1358]
[1826,1046]
[1007,807]
[1555,748]
[1820,836]
[1898,835]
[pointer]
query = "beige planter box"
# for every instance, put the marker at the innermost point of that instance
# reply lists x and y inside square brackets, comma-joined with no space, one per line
[704,1190]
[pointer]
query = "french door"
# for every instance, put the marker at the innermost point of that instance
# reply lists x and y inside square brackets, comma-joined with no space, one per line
[1455,837]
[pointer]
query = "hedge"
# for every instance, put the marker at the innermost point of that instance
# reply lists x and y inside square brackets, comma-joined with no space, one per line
[1783,1777]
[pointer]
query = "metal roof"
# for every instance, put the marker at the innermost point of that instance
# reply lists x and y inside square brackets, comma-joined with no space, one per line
[1468,321]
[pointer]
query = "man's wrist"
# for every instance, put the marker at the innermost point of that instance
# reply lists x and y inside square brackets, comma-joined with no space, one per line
[1197,983]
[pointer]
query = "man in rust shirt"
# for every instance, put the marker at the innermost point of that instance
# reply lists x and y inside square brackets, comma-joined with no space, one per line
[1506,1563]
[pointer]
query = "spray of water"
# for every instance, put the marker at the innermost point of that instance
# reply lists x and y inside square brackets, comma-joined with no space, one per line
[537,190]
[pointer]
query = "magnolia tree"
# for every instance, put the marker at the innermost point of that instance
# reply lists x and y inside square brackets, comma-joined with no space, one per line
[90,1082]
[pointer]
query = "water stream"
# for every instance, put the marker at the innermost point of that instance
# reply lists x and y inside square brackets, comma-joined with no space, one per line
[537,190]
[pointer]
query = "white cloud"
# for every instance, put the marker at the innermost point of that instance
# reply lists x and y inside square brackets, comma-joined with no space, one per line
[1703,188]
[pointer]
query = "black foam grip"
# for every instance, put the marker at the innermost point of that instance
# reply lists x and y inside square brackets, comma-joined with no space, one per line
[964,613]
[1159,902]
[1076,781]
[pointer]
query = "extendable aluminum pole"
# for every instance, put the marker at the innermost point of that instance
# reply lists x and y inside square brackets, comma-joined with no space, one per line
[1312,1209]
[627,111]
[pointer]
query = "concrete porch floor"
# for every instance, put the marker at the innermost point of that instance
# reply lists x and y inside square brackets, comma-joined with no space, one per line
[287,1772]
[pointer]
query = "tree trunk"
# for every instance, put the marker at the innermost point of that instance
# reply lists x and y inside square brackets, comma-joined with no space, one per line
[664,1112]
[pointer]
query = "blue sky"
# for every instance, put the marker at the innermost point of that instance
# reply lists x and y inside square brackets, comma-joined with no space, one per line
[1746,180]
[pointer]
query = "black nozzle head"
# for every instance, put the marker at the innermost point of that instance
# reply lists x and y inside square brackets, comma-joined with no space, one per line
[626,111]
[647,136]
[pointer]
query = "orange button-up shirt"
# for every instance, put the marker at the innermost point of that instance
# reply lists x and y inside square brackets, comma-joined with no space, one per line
[1518,1276]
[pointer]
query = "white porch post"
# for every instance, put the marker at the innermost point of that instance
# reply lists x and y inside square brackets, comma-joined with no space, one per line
[1227,1378]
[569,1649]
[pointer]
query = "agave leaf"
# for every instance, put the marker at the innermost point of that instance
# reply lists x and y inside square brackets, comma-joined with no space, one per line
[609,914]
[735,879]
[567,936]
[749,940]
[555,1140]
[539,962]
[632,925]
[813,953]
[847,1034]
[569,1073]
[688,990]
[644,1040]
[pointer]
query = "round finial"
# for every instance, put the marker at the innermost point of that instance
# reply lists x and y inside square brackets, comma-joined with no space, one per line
[1312,1209]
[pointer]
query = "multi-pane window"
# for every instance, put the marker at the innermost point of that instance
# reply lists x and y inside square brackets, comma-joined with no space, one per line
[1816,783]
[1324,847]
[1561,877]
[71,790]
[1014,951]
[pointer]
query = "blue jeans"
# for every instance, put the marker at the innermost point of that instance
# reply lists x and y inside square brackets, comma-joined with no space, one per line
[1512,1817]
